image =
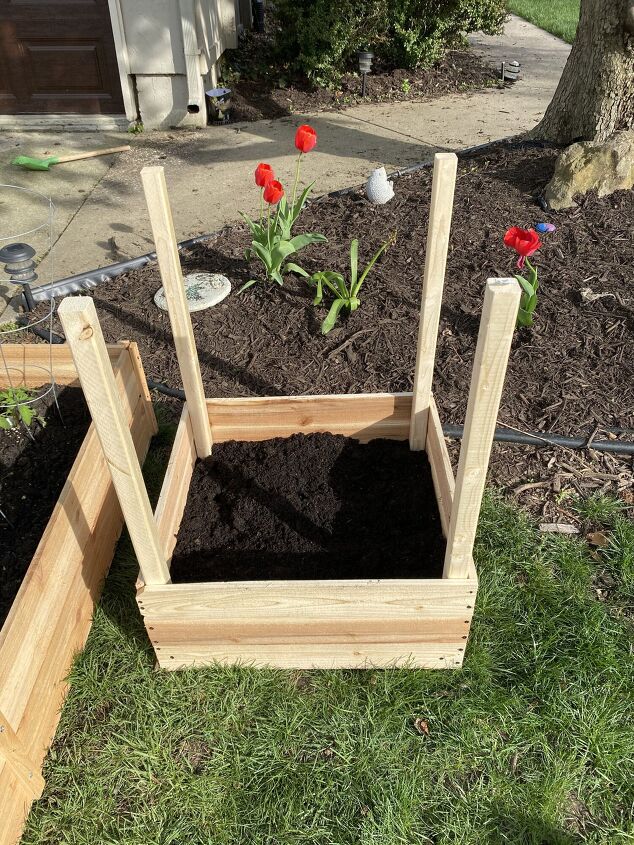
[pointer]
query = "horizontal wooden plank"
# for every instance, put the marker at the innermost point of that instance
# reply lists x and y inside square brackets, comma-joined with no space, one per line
[171,503]
[324,656]
[442,474]
[364,416]
[300,601]
[431,629]
[29,363]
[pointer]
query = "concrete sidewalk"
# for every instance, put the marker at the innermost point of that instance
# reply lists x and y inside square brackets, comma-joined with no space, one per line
[101,214]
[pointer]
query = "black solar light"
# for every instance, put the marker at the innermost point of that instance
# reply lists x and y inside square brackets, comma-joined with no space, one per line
[510,71]
[20,268]
[365,66]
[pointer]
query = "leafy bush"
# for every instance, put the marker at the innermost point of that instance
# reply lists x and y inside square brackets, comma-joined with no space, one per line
[320,38]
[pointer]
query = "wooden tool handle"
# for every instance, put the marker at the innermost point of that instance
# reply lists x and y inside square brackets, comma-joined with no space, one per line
[94,153]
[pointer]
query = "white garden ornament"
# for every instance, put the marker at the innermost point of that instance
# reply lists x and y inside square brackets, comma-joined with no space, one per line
[201,289]
[378,189]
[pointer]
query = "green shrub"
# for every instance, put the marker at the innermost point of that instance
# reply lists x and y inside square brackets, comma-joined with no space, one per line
[320,38]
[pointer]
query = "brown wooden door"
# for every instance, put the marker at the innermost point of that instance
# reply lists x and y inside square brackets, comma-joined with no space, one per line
[58,57]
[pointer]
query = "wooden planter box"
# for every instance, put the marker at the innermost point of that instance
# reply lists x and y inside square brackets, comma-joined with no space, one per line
[347,623]
[51,615]
[316,624]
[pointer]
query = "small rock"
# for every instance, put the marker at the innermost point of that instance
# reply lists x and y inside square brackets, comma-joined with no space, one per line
[591,166]
[558,528]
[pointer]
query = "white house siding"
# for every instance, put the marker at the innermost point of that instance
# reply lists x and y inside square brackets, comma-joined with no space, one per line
[171,48]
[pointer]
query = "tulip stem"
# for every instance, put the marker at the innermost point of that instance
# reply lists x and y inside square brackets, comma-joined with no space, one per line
[299,158]
[261,205]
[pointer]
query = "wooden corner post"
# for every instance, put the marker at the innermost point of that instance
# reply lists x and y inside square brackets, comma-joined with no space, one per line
[153,179]
[84,336]
[438,229]
[497,324]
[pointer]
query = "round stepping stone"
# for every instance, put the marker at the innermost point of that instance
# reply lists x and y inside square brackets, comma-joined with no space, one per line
[201,289]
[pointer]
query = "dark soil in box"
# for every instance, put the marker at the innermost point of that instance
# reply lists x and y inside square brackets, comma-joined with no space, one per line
[316,506]
[32,474]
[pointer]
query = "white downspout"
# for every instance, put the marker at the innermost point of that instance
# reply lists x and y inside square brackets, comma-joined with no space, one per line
[195,92]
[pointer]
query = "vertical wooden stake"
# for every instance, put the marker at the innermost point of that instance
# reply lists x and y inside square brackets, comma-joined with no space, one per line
[497,324]
[87,346]
[153,179]
[438,229]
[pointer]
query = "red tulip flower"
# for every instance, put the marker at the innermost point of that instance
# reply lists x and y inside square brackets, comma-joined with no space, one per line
[273,192]
[263,175]
[305,138]
[524,241]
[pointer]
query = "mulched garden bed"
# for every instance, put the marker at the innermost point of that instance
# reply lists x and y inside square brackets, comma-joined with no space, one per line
[32,474]
[259,94]
[571,373]
[318,506]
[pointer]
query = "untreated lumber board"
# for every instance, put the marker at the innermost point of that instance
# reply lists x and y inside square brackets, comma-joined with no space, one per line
[15,801]
[171,504]
[362,416]
[169,263]
[323,656]
[438,230]
[497,326]
[440,463]
[309,623]
[300,601]
[17,759]
[29,363]
[83,332]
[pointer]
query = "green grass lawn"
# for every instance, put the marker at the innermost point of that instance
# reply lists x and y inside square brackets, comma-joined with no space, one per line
[531,743]
[557,16]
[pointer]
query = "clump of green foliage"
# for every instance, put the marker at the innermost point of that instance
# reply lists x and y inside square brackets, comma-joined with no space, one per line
[346,296]
[320,38]
[14,408]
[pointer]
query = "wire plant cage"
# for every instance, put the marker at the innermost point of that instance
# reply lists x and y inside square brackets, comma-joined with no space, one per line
[26,236]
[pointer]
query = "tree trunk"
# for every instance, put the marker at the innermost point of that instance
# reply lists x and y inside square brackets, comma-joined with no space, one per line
[595,95]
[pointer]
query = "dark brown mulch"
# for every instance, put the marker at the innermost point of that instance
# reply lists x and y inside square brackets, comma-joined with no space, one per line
[32,474]
[315,506]
[264,98]
[572,372]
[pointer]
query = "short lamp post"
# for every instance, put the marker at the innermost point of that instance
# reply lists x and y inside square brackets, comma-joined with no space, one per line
[20,268]
[365,66]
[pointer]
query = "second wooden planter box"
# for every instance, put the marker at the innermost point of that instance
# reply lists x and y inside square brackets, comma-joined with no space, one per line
[50,618]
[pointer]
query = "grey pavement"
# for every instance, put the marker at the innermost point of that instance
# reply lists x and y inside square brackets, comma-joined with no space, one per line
[101,215]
